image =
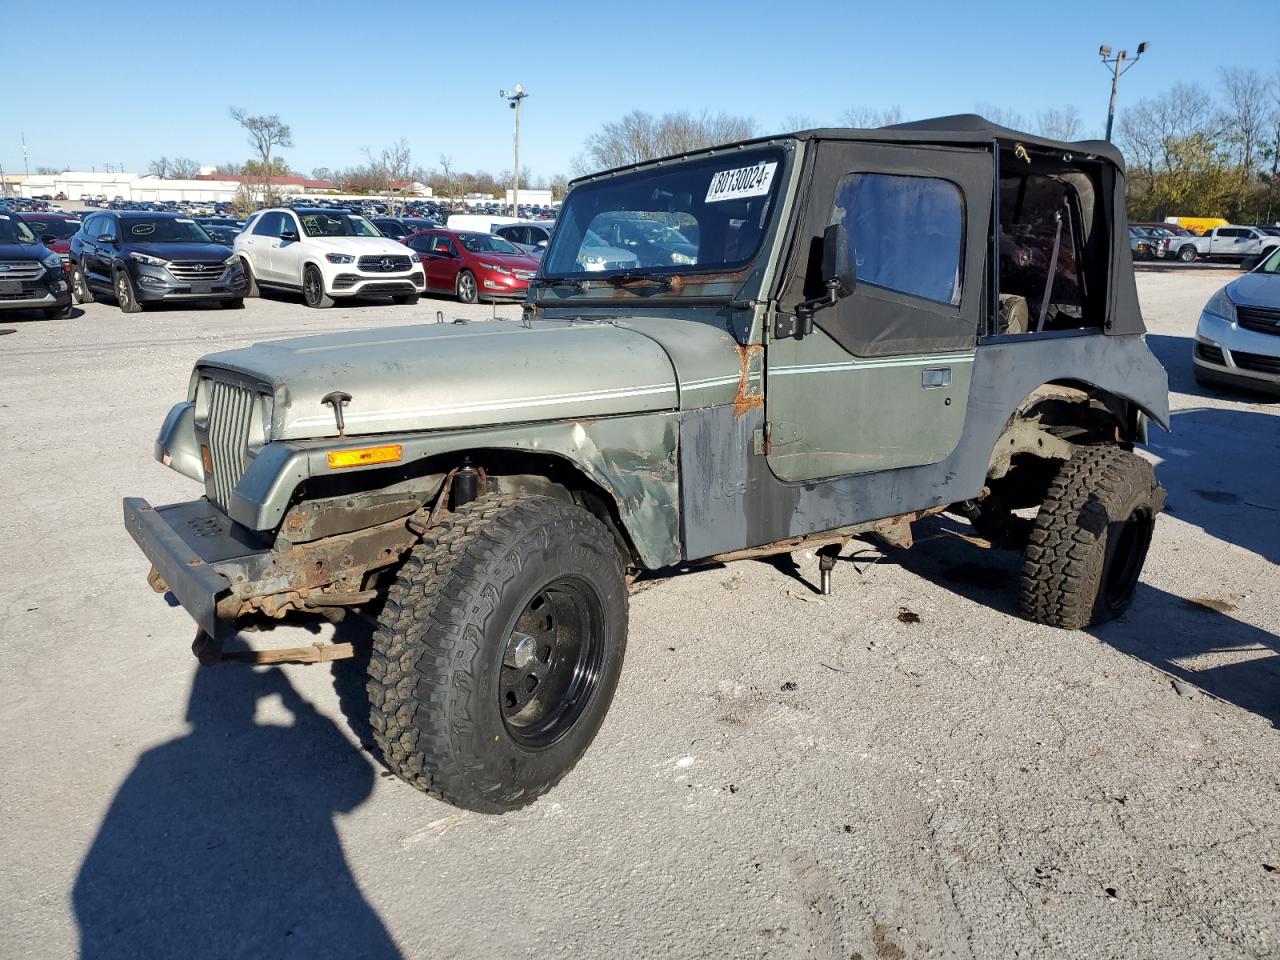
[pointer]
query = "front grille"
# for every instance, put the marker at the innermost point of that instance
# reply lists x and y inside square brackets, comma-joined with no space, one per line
[230,415]
[20,269]
[197,271]
[1262,319]
[403,286]
[1210,353]
[385,264]
[1257,362]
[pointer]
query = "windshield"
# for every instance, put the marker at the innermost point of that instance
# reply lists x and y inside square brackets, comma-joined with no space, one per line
[485,243]
[13,230]
[54,227]
[337,225]
[162,230]
[1271,264]
[709,214]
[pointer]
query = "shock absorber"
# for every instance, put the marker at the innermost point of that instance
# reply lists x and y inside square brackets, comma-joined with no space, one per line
[466,484]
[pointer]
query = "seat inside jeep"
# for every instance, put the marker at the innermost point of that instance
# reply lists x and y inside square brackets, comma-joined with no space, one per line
[1052,244]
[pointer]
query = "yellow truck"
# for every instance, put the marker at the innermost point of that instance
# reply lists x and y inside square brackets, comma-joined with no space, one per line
[1198,225]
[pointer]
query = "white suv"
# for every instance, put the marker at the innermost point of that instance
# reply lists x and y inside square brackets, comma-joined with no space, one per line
[326,254]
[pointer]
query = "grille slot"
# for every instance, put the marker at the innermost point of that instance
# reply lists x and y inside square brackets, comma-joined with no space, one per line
[196,271]
[1257,362]
[390,263]
[230,415]
[20,269]
[1261,319]
[1207,351]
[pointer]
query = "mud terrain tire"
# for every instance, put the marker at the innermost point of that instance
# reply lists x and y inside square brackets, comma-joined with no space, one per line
[511,597]
[1090,539]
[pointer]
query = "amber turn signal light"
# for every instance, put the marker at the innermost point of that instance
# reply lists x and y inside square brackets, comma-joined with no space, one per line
[365,456]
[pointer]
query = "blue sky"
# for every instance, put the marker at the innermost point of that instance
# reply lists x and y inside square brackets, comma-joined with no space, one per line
[346,75]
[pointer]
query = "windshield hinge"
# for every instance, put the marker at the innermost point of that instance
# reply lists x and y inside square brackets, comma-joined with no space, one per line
[788,325]
[760,440]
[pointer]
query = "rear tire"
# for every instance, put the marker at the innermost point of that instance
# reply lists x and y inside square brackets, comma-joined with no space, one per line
[498,651]
[313,289]
[1088,544]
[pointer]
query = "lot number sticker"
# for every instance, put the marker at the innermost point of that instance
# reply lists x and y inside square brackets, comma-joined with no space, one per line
[743,182]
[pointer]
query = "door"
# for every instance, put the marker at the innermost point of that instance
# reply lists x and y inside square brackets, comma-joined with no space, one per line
[882,381]
[442,263]
[286,254]
[102,252]
[263,237]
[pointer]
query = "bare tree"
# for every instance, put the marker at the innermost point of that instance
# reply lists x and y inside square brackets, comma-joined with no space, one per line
[1245,118]
[391,166]
[159,168]
[1058,123]
[183,168]
[800,121]
[1001,116]
[868,118]
[322,173]
[265,134]
[640,136]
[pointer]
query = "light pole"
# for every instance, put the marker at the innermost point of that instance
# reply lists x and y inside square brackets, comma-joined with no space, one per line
[514,97]
[1118,69]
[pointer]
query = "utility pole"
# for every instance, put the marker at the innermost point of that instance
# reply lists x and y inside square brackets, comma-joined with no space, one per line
[515,96]
[25,168]
[1116,65]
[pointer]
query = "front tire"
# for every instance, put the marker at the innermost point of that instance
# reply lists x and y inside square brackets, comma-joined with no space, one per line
[468,292]
[405,299]
[251,282]
[313,289]
[1187,254]
[126,296]
[1090,539]
[80,291]
[498,651]
[236,304]
[58,313]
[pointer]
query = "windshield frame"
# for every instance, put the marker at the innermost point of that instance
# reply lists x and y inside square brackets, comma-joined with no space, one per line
[719,160]
[1269,266]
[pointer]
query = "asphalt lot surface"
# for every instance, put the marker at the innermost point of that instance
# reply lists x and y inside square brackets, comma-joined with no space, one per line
[904,769]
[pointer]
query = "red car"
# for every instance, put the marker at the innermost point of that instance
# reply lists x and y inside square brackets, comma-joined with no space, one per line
[55,229]
[473,266]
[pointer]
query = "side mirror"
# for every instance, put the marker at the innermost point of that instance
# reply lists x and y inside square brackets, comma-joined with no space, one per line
[838,272]
[106,238]
[541,243]
[289,236]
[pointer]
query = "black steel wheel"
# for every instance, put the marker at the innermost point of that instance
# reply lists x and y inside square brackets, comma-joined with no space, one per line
[498,651]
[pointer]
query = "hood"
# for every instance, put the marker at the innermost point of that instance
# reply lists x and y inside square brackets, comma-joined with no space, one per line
[183,251]
[363,246]
[23,251]
[444,376]
[1256,290]
[520,261]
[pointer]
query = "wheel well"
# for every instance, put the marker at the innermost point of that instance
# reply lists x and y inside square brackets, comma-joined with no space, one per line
[507,471]
[1044,430]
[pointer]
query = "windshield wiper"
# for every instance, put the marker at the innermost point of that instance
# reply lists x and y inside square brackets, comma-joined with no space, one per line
[578,284]
[667,281]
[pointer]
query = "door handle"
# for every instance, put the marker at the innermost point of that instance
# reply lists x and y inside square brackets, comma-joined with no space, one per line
[935,377]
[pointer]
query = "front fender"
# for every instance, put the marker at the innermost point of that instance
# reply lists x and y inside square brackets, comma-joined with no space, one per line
[632,458]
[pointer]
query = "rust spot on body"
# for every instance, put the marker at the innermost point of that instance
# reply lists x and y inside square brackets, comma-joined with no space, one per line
[745,400]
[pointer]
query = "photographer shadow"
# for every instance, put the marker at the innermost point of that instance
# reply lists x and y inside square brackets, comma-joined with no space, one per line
[222,843]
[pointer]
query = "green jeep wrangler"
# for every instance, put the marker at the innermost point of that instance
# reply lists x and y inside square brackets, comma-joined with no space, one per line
[773,345]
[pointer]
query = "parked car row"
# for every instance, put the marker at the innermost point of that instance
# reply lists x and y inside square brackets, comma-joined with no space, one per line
[1150,241]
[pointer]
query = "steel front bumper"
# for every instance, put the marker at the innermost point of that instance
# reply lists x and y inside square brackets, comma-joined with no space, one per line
[197,554]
